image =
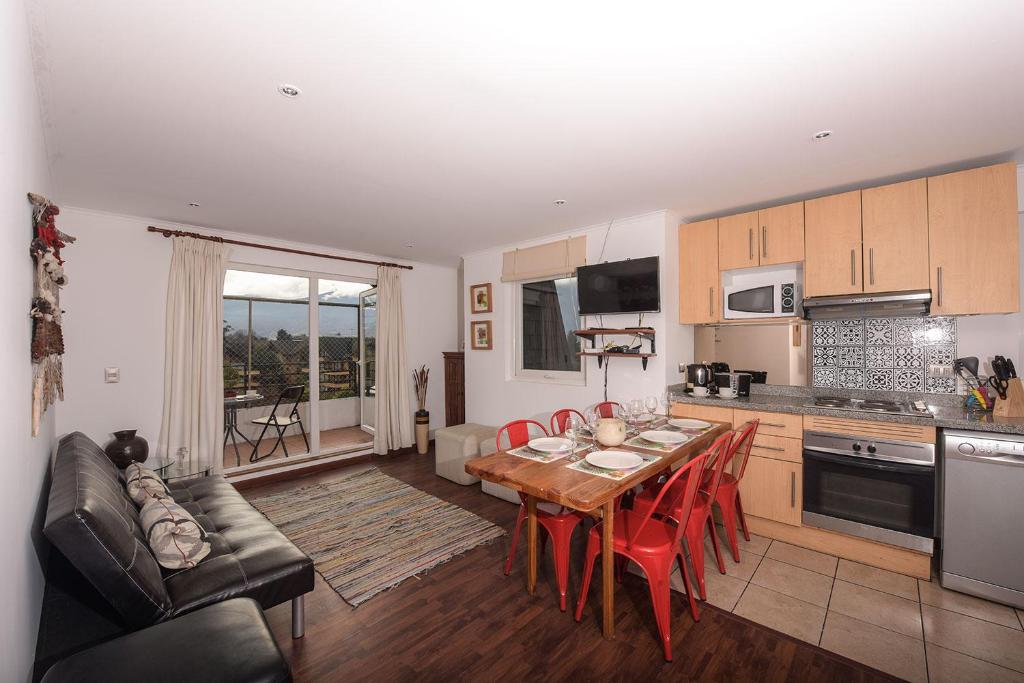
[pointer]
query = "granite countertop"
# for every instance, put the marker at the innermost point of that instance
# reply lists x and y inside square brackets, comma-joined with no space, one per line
[948,411]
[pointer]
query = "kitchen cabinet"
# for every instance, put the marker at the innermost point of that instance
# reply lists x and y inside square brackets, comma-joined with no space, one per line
[782,234]
[895,219]
[973,241]
[700,287]
[773,489]
[739,241]
[834,263]
[698,412]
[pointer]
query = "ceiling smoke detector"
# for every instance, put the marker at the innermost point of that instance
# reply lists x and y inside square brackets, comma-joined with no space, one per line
[289,90]
[559,202]
[822,134]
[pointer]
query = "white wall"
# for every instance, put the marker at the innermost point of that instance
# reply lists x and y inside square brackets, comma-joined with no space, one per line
[116,306]
[494,397]
[23,460]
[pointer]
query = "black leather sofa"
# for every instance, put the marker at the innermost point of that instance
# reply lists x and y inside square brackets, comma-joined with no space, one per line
[91,520]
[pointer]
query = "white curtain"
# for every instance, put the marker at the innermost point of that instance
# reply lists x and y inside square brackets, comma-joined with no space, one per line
[193,411]
[394,412]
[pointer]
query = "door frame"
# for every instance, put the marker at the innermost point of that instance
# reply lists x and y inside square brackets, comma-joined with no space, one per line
[313,277]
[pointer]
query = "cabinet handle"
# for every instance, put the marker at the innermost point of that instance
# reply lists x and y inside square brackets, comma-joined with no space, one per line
[750,242]
[792,489]
[853,267]
[871,264]
[772,424]
[938,285]
[764,241]
[711,301]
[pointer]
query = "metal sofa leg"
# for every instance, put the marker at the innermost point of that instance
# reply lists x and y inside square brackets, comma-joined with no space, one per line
[298,616]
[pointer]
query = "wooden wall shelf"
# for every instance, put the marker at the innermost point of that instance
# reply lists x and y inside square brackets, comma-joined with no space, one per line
[592,333]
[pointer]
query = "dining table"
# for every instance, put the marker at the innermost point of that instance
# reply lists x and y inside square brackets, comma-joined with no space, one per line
[561,481]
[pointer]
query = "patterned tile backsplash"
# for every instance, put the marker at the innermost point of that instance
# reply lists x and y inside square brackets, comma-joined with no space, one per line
[887,354]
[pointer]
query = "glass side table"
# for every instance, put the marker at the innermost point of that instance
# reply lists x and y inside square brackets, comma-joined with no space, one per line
[171,470]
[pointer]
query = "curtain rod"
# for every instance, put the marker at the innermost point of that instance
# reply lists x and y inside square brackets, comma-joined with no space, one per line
[167,232]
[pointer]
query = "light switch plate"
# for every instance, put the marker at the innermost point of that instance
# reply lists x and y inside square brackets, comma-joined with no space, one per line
[940,371]
[111,375]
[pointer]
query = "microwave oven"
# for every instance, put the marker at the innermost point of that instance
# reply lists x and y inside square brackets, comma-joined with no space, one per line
[768,292]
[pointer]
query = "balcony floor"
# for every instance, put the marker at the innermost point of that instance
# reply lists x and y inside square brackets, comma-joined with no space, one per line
[342,439]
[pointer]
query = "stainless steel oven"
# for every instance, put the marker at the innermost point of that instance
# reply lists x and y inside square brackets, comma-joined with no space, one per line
[883,490]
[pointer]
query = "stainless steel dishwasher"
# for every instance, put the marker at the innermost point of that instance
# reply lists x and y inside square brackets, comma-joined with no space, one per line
[983,515]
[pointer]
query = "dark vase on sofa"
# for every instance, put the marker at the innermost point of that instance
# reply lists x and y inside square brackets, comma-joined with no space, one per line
[127,448]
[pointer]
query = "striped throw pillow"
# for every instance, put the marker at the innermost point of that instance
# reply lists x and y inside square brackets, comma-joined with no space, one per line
[143,484]
[176,539]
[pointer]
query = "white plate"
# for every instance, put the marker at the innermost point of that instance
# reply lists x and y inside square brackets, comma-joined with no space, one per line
[661,436]
[614,460]
[646,417]
[550,444]
[689,424]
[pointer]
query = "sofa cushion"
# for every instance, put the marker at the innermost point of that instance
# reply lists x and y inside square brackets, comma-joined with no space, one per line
[93,522]
[248,557]
[223,643]
[143,484]
[176,539]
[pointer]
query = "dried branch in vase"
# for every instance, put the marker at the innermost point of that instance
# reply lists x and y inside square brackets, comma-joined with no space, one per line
[421,377]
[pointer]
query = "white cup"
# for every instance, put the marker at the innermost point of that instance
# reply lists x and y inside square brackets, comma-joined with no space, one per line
[700,391]
[727,392]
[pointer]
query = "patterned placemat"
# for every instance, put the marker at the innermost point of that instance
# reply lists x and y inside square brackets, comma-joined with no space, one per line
[582,465]
[541,456]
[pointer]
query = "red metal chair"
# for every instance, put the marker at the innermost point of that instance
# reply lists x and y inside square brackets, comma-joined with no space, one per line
[654,545]
[700,519]
[558,522]
[607,408]
[560,418]
[728,495]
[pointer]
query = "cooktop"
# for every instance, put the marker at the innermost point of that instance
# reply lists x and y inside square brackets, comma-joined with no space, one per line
[860,405]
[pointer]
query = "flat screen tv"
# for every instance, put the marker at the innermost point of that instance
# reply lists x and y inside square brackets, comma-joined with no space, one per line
[620,287]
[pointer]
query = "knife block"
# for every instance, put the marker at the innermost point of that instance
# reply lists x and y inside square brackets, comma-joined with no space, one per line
[1013,406]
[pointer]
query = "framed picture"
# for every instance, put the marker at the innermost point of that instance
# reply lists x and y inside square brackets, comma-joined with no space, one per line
[480,335]
[480,298]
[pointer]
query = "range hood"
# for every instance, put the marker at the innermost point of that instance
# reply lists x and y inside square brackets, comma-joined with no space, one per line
[913,303]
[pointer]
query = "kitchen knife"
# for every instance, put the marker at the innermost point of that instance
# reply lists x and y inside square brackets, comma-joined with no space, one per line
[1011,372]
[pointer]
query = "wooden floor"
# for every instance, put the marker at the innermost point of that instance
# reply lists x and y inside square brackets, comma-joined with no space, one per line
[331,440]
[465,620]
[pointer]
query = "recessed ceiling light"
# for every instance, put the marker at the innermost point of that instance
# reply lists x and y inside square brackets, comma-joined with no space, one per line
[410,246]
[822,134]
[559,202]
[194,204]
[289,90]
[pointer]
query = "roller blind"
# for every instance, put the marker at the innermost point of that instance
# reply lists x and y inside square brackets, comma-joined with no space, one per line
[554,259]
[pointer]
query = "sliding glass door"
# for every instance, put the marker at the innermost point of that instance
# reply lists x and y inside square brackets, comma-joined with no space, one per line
[293,370]
[368,353]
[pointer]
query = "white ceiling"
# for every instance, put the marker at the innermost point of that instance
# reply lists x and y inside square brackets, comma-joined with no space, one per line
[454,125]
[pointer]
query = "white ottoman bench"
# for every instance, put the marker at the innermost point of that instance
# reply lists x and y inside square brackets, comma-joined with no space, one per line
[453,446]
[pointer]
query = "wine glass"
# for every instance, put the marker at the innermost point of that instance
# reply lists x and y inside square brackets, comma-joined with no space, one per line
[666,401]
[593,419]
[651,403]
[636,407]
[574,430]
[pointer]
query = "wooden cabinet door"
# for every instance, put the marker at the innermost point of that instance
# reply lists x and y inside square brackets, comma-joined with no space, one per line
[782,234]
[700,296]
[896,236]
[739,241]
[973,241]
[772,489]
[832,240]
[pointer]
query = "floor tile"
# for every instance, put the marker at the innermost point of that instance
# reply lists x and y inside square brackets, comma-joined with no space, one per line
[802,557]
[757,544]
[878,608]
[742,570]
[793,581]
[947,666]
[1020,617]
[932,593]
[879,579]
[974,637]
[881,648]
[723,590]
[791,616]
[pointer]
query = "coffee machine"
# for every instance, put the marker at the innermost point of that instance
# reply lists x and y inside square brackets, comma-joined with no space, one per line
[699,375]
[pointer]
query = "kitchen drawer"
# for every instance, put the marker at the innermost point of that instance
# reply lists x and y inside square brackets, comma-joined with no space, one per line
[773,424]
[702,412]
[777,447]
[869,429]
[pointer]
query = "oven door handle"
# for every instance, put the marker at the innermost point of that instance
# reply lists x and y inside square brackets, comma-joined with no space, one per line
[854,461]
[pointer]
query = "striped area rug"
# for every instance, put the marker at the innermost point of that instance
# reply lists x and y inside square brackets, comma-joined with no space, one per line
[367,532]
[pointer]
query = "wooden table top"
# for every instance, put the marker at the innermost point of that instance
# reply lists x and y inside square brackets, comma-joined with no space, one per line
[555,482]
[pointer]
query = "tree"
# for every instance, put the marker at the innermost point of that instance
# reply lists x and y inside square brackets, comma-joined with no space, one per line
[283,335]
